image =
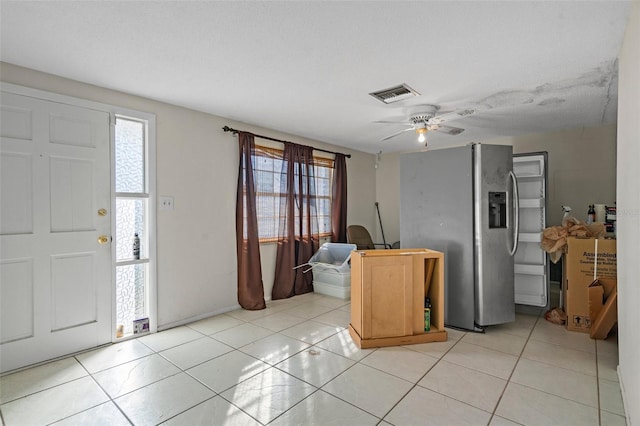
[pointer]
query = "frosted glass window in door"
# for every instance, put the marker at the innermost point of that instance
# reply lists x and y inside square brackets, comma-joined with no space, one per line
[130,156]
[130,220]
[131,295]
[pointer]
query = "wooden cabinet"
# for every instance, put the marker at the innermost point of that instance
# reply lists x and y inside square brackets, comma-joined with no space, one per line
[388,289]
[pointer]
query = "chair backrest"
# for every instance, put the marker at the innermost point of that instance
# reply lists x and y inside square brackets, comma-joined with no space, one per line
[358,235]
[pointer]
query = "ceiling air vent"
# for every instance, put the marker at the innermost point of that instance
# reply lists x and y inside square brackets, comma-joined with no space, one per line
[395,94]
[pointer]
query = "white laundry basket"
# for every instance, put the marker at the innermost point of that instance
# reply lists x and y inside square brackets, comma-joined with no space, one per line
[332,270]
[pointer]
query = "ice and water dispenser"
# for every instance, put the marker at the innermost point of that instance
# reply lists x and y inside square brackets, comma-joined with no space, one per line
[497,209]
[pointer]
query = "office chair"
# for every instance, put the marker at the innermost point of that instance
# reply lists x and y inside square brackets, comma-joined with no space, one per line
[358,235]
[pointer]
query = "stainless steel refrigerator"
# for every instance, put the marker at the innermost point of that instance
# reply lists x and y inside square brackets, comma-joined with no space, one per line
[464,202]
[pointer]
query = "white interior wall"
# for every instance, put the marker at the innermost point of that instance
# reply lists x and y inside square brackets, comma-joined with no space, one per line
[582,167]
[388,196]
[197,164]
[629,217]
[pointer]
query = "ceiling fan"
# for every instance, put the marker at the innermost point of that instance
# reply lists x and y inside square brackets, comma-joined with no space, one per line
[427,120]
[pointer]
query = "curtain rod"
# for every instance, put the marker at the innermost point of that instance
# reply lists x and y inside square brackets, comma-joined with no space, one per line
[234,131]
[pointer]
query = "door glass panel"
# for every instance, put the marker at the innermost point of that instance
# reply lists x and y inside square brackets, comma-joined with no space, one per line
[131,295]
[130,155]
[130,220]
[132,223]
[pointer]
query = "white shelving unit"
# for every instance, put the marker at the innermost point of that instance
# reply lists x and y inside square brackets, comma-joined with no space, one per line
[531,262]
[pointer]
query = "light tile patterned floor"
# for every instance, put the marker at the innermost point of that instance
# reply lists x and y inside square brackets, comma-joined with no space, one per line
[294,363]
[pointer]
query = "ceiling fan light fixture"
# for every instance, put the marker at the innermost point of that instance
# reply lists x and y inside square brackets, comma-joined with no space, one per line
[421,130]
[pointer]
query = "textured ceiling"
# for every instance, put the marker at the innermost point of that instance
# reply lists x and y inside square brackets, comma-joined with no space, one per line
[306,68]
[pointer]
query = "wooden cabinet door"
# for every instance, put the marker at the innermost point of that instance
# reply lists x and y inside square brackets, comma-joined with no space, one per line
[387,296]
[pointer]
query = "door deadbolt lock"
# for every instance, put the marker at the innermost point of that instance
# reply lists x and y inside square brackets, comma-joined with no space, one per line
[103,239]
[102,212]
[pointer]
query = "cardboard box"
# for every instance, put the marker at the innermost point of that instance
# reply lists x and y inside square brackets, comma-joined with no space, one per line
[596,298]
[578,274]
[604,314]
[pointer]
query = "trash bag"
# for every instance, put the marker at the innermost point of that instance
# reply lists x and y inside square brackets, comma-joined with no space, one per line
[556,316]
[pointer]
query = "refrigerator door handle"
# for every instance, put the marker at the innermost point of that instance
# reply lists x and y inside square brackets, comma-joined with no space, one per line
[516,228]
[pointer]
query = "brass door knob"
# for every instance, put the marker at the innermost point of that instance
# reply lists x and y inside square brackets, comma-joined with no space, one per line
[103,239]
[102,212]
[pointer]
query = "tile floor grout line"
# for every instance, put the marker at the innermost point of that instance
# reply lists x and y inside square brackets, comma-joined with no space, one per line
[88,375]
[268,366]
[103,390]
[294,405]
[189,408]
[322,387]
[556,344]
[45,389]
[416,383]
[71,415]
[558,366]
[343,400]
[495,408]
[398,377]
[448,396]
[598,385]
[52,360]
[231,403]
[274,367]
[574,371]
[257,359]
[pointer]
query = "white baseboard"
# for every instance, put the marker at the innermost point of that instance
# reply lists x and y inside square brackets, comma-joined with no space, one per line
[625,401]
[197,317]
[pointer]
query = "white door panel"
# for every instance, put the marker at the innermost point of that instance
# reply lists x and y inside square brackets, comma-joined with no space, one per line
[56,278]
[73,290]
[16,190]
[71,187]
[16,122]
[16,299]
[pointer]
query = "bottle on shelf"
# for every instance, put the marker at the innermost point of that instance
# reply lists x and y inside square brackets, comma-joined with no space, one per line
[610,220]
[136,246]
[591,215]
[427,314]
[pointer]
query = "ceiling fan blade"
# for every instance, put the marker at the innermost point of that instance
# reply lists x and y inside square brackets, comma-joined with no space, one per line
[446,129]
[397,134]
[406,123]
[451,116]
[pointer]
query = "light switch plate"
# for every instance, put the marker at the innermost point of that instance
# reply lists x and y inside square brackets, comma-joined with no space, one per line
[166,203]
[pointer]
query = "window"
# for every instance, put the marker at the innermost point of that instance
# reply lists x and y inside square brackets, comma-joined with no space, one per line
[268,164]
[132,223]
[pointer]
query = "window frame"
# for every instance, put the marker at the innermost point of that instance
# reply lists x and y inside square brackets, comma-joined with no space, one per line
[148,121]
[278,153]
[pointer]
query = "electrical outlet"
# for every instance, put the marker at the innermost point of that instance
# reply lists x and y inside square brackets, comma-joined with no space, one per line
[166,203]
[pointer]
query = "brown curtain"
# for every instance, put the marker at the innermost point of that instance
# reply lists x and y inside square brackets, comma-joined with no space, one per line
[298,234]
[339,200]
[250,288]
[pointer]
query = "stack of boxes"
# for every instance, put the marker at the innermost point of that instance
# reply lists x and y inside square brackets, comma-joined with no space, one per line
[589,285]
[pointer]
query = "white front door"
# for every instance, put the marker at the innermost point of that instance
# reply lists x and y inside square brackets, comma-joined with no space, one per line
[55,275]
